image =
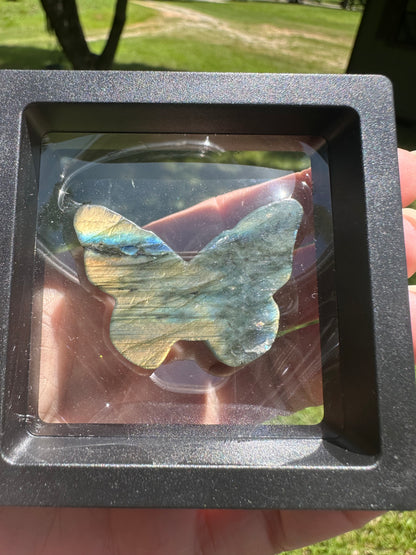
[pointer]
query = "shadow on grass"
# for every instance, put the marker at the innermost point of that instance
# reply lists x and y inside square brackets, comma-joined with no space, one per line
[32,57]
[141,67]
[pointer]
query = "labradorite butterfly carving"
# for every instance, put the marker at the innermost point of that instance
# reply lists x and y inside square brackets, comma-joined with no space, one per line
[223,296]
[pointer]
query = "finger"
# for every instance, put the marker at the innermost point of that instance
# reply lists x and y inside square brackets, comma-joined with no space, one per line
[409,228]
[271,532]
[51,378]
[80,372]
[297,302]
[295,529]
[412,304]
[168,531]
[407,168]
[286,379]
[193,228]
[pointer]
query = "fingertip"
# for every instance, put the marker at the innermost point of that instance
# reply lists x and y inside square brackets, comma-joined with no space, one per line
[407,169]
[409,228]
[412,306]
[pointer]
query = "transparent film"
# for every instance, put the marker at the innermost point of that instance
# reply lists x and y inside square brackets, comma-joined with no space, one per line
[182,279]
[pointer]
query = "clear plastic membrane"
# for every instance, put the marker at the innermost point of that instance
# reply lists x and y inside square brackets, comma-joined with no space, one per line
[225,228]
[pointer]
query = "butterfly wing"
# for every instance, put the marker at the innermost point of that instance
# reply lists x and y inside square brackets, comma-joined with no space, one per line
[136,268]
[251,261]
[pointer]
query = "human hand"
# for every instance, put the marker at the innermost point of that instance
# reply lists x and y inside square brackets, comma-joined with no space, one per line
[25,531]
[84,379]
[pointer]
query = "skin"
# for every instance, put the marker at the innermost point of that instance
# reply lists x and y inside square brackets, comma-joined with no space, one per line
[48,531]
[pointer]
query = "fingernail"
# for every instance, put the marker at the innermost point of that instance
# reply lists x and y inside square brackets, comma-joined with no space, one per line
[410,215]
[409,228]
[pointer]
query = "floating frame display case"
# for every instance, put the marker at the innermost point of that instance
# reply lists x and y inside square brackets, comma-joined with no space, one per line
[362,455]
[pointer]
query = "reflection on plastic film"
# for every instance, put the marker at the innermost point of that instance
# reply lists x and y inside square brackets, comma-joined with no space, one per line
[228,348]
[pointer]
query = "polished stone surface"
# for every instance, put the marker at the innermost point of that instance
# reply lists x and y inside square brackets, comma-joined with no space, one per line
[223,295]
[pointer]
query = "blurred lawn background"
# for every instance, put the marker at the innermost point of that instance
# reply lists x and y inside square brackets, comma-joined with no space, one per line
[232,36]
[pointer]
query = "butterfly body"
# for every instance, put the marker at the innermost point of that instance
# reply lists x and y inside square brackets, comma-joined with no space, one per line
[223,295]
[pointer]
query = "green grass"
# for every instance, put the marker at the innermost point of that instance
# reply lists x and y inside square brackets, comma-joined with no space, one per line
[337,23]
[305,417]
[25,42]
[244,36]
[192,55]
[391,534]
[24,20]
[21,22]
[237,36]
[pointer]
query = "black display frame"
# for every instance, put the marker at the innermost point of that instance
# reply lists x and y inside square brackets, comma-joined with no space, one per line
[362,455]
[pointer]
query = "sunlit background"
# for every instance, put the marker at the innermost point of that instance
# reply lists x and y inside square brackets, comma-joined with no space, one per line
[303,36]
